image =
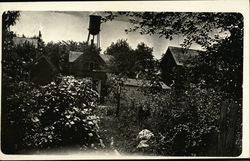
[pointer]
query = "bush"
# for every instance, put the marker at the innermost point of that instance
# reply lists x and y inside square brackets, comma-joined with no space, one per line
[56,115]
[185,122]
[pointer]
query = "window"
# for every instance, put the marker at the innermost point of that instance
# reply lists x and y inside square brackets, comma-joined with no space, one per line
[90,66]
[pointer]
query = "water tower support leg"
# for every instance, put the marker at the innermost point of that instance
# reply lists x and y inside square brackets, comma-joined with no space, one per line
[98,40]
[88,38]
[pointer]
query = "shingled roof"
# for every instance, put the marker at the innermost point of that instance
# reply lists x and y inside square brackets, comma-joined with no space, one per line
[182,55]
[73,55]
[106,58]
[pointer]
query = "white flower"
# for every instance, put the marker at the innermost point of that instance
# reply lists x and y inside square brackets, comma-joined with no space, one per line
[145,134]
[142,144]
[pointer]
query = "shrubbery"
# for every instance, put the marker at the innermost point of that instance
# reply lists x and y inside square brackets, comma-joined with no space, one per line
[56,115]
[184,122]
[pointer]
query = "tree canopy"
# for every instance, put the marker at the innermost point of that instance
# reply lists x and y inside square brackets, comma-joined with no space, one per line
[128,61]
[194,26]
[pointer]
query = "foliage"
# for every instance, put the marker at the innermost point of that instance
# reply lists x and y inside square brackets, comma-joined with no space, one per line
[223,66]
[129,62]
[122,57]
[9,19]
[221,34]
[56,115]
[187,123]
[9,64]
[194,26]
[143,59]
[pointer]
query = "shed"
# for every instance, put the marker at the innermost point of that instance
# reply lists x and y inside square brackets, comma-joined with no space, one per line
[175,59]
[41,70]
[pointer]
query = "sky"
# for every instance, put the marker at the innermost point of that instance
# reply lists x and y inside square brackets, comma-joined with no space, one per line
[58,26]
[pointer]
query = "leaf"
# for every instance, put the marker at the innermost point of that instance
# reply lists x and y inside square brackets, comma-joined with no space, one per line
[35,119]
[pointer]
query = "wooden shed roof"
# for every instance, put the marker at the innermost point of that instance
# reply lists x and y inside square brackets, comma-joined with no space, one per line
[183,55]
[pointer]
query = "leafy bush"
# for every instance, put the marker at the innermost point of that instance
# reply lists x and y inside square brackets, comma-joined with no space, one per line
[185,122]
[56,115]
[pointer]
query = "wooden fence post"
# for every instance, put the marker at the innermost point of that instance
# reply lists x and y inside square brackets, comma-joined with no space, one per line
[231,132]
[223,129]
[227,135]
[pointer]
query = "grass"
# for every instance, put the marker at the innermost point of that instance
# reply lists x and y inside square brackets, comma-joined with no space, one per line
[118,133]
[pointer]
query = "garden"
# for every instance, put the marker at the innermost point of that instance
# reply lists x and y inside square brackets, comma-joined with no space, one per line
[201,115]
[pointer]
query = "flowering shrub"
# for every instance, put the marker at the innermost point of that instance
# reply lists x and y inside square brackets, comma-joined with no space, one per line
[56,115]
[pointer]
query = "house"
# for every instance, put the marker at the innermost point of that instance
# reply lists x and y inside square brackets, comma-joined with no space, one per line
[21,41]
[175,60]
[91,65]
[41,70]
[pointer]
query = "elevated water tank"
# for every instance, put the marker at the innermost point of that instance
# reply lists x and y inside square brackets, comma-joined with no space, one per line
[94,24]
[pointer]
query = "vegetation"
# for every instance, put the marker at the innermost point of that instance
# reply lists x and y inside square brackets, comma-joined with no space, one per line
[203,105]
[58,114]
[128,62]
[219,70]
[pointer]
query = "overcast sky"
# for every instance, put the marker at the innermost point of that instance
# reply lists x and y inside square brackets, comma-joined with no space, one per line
[58,26]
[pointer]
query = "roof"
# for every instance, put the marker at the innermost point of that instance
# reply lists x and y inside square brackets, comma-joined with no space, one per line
[106,58]
[142,82]
[182,55]
[22,40]
[73,55]
[36,61]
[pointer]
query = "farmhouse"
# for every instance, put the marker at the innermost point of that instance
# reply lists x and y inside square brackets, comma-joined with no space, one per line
[89,65]
[174,60]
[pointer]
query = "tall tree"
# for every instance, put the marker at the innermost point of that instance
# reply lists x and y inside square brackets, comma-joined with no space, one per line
[122,62]
[143,56]
[10,65]
[41,43]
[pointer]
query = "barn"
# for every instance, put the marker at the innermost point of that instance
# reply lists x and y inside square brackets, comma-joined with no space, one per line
[175,59]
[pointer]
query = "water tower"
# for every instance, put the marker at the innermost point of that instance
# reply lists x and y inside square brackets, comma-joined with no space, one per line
[94,28]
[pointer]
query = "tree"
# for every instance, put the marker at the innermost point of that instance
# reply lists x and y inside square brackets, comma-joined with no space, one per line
[194,26]
[129,62]
[41,43]
[9,64]
[143,56]
[123,61]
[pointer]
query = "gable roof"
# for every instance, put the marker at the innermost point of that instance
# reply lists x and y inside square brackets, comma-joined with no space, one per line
[73,55]
[21,41]
[182,55]
[106,58]
[142,82]
[37,60]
